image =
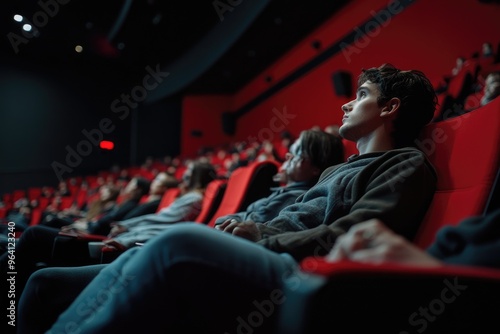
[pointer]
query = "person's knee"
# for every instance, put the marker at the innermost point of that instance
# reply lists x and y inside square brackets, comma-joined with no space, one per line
[28,233]
[41,283]
[182,233]
[180,238]
[32,233]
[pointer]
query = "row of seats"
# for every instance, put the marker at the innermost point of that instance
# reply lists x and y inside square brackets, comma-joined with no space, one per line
[464,91]
[222,197]
[79,191]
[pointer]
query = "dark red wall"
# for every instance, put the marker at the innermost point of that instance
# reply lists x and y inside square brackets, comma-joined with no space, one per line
[428,35]
[203,113]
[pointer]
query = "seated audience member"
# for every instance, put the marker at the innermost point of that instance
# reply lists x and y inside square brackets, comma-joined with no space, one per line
[458,67]
[491,88]
[20,216]
[161,183]
[35,244]
[63,190]
[234,163]
[185,208]
[132,195]
[487,51]
[203,280]
[267,152]
[309,156]
[283,145]
[97,208]
[442,85]
[490,91]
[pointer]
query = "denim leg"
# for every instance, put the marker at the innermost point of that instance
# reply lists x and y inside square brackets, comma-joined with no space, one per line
[189,277]
[48,293]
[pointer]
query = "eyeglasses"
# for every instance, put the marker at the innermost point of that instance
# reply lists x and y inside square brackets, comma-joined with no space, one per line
[293,158]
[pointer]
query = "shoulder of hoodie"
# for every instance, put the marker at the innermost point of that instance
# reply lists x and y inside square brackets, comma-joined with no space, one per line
[401,153]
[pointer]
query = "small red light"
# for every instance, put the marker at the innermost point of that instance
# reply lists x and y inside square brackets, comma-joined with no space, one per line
[107,145]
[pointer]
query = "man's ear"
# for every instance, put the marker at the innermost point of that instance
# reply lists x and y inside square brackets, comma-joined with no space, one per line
[390,107]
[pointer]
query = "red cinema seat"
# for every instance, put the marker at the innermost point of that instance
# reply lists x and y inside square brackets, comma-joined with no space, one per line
[245,186]
[464,151]
[168,198]
[211,200]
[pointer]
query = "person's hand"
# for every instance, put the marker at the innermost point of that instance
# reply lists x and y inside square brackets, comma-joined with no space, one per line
[25,210]
[112,243]
[373,242]
[77,226]
[226,223]
[117,229]
[247,230]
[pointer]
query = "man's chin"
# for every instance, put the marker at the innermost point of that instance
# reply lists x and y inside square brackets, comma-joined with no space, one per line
[343,132]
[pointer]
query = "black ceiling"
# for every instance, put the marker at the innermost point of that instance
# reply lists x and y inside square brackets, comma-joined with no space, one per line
[153,31]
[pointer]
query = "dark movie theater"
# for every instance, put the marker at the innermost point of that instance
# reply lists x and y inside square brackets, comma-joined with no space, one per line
[250,166]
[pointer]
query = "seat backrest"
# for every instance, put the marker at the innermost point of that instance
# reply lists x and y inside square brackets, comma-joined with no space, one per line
[34,193]
[66,202]
[461,85]
[246,185]
[168,197]
[81,198]
[464,151]
[18,194]
[36,216]
[211,200]
[43,202]
[473,101]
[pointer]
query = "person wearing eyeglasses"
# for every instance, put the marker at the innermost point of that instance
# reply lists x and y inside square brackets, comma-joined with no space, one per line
[307,158]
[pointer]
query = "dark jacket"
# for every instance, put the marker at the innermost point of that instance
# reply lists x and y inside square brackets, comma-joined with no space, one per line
[396,186]
[475,241]
[269,207]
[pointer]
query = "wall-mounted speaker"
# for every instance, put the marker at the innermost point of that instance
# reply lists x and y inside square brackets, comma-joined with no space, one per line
[342,82]
[229,123]
[196,133]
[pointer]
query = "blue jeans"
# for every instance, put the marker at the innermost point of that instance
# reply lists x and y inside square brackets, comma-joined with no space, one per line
[189,278]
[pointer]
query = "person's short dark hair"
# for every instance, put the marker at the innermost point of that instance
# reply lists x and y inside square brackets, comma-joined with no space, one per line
[201,175]
[487,49]
[114,192]
[170,181]
[285,134]
[143,185]
[322,148]
[417,95]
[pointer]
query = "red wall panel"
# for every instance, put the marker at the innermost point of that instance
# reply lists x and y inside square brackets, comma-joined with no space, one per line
[203,113]
[428,35]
